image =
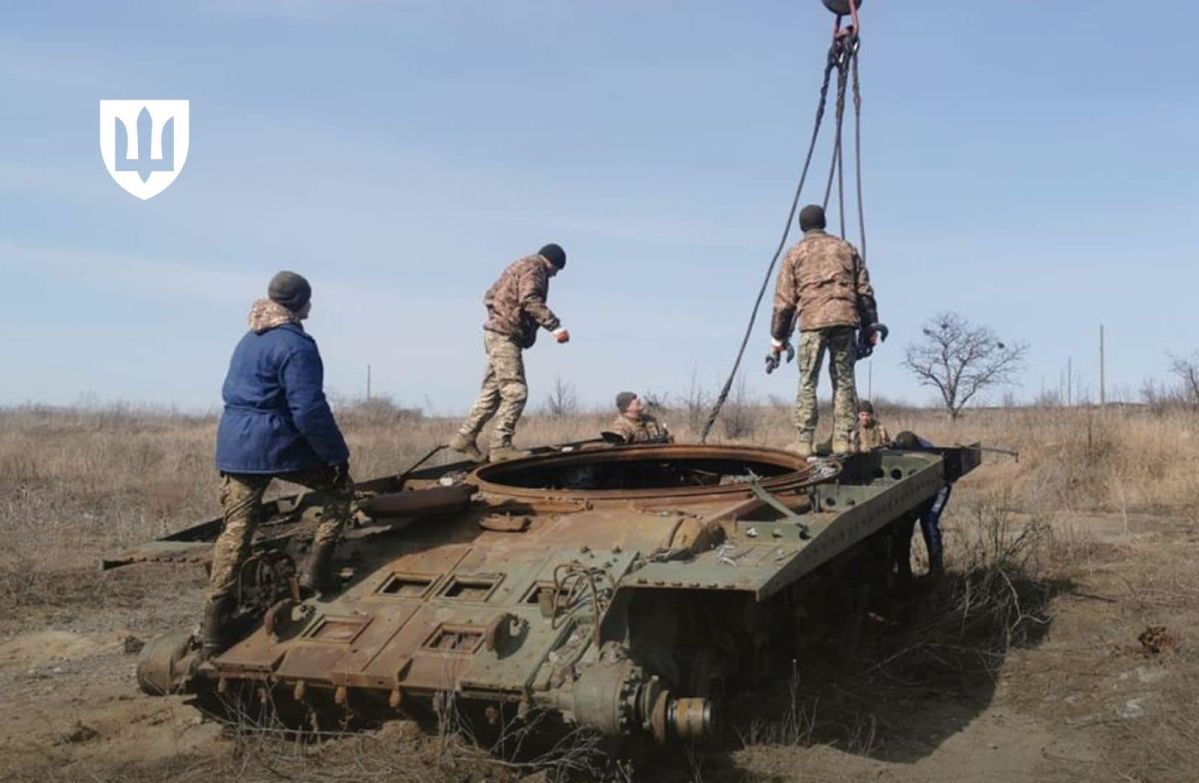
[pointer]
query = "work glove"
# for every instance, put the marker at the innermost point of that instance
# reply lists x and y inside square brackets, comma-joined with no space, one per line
[869,337]
[562,335]
[774,358]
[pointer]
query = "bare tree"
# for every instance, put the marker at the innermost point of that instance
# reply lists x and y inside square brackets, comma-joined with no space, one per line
[1187,372]
[654,401]
[562,400]
[960,359]
[1151,393]
[696,402]
[740,419]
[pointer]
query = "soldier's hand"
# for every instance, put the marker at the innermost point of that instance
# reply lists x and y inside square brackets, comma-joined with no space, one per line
[562,336]
[774,358]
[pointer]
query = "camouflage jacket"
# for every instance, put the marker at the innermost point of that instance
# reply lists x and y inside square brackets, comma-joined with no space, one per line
[825,279]
[870,438]
[266,315]
[641,430]
[516,302]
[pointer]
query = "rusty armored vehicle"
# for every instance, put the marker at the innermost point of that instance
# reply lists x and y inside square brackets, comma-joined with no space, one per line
[620,589]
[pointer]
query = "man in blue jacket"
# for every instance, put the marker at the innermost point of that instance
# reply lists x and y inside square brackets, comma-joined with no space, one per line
[276,424]
[929,516]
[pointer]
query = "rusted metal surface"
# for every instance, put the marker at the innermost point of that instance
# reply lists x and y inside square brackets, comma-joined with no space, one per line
[779,471]
[162,665]
[428,502]
[161,552]
[691,719]
[611,586]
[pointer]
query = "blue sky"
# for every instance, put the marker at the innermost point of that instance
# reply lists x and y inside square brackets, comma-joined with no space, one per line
[1029,164]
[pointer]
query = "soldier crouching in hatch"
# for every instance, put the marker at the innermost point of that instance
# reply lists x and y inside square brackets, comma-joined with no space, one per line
[825,280]
[276,424]
[870,434]
[634,424]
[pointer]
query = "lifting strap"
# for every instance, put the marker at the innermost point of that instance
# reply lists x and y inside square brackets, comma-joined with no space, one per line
[842,58]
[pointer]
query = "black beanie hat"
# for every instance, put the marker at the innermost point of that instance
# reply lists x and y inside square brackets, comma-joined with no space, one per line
[812,216]
[866,406]
[624,400]
[554,254]
[290,290]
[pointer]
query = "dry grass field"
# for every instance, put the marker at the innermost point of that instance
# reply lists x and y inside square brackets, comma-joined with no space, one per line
[1024,664]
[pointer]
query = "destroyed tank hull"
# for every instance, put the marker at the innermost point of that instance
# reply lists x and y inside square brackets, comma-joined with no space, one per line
[619,590]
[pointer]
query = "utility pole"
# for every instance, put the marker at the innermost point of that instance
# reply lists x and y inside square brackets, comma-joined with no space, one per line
[1102,371]
[870,379]
[368,383]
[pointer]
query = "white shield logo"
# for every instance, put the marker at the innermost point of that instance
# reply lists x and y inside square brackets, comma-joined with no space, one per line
[144,143]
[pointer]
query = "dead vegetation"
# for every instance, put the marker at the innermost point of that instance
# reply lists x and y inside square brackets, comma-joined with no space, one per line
[950,637]
[1084,627]
[994,598]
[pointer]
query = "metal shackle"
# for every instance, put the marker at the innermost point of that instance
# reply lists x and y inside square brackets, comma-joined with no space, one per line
[841,7]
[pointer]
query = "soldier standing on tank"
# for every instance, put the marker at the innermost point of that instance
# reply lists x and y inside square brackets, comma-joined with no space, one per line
[276,424]
[516,308]
[824,279]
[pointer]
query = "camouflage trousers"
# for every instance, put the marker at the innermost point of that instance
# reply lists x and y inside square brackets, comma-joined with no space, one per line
[504,391]
[241,501]
[839,344]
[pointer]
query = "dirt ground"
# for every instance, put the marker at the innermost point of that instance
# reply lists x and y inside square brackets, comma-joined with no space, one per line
[1024,664]
[1080,699]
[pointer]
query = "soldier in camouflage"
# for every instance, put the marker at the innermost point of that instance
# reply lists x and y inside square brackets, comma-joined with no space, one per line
[824,279]
[516,308]
[634,424]
[870,434]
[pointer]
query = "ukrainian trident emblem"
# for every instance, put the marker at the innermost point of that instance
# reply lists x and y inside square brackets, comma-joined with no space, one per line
[144,143]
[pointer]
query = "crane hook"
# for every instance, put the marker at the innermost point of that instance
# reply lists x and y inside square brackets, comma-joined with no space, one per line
[842,7]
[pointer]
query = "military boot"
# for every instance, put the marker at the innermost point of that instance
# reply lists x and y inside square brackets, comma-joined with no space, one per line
[218,621]
[316,575]
[801,447]
[466,446]
[506,451]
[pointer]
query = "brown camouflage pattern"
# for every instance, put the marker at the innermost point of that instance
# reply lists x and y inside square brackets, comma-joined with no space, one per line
[640,430]
[241,504]
[266,315]
[504,392]
[839,345]
[875,436]
[825,280]
[516,302]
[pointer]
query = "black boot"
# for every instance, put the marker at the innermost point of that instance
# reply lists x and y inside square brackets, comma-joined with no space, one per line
[316,575]
[218,619]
